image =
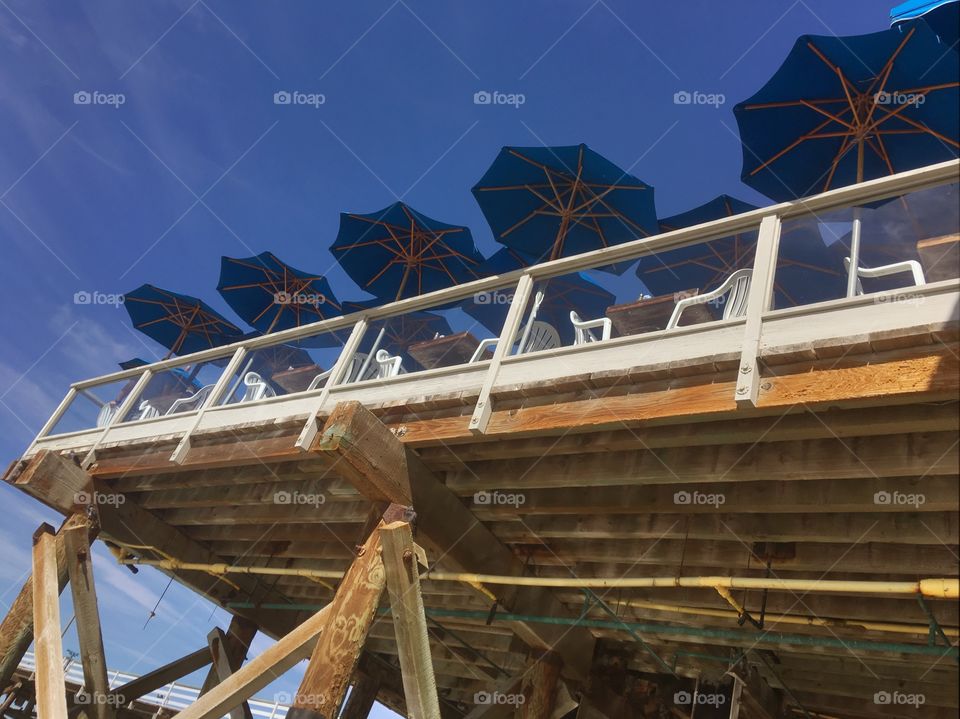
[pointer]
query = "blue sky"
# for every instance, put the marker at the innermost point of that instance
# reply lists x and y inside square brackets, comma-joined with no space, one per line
[199,162]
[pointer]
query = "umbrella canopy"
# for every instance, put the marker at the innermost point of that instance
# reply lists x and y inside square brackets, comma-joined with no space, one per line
[806,272]
[942,16]
[271,295]
[398,252]
[550,202]
[560,295]
[846,109]
[181,323]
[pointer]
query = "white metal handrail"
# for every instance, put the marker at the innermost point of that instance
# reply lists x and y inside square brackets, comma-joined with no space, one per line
[174,695]
[849,196]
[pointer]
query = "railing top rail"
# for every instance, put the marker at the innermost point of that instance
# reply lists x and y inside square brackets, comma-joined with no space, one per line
[851,195]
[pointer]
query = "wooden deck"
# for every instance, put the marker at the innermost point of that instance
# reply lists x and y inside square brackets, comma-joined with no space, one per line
[591,482]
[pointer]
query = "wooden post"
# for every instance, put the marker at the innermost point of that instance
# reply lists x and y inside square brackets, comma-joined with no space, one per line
[362,697]
[236,645]
[80,570]
[225,663]
[335,656]
[409,621]
[51,689]
[758,301]
[541,690]
[16,631]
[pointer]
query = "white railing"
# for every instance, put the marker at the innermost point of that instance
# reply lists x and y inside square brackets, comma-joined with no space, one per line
[741,336]
[174,696]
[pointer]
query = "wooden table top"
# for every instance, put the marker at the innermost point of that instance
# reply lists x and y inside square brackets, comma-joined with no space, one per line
[653,313]
[445,351]
[296,379]
[940,257]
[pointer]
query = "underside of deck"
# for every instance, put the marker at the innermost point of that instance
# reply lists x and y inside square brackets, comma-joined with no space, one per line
[845,469]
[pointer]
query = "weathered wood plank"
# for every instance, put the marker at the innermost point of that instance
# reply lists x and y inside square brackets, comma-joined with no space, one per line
[16,631]
[259,671]
[51,690]
[337,652]
[540,688]
[234,645]
[409,621]
[225,663]
[83,590]
[363,694]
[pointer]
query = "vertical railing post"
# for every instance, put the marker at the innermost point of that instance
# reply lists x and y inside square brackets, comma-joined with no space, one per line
[758,302]
[122,411]
[484,408]
[180,453]
[337,373]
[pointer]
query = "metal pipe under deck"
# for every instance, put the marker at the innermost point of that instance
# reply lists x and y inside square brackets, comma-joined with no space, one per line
[942,588]
[933,650]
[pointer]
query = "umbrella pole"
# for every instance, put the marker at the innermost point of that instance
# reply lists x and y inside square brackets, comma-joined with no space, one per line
[373,351]
[854,253]
[855,232]
[238,380]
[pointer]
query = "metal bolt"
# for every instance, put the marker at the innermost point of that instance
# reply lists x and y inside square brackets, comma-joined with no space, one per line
[766,385]
[746,369]
[741,390]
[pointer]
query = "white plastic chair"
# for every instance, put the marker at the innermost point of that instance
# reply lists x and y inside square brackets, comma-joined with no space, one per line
[257,388]
[737,284]
[387,365]
[583,329]
[197,399]
[147,410]
[536,335]
[106,414]
[911,266]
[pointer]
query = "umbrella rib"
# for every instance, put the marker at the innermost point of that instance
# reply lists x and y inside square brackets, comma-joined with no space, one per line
[789,147]
[924,128]
[844,147]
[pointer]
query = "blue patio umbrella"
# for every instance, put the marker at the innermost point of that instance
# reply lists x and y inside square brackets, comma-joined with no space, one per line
[942,16]
[181,323]
[550,202]
[846,109]
[398,252]
[271,295]
[561,294]
[806,272]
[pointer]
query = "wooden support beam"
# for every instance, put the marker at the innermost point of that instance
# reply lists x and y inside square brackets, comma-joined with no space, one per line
[259,671]
[87,615]
[447,527]
[337,652]
[16,631]
[540,688]
[51,687]
[363,694]
[409,621]
[235,647]
[904,455]
[160,677]
[373,461]
[225,665]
